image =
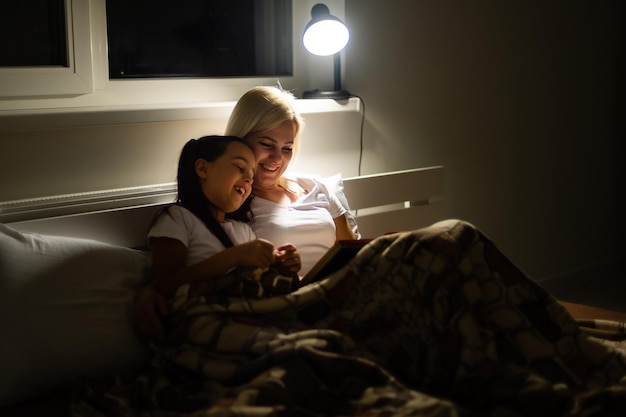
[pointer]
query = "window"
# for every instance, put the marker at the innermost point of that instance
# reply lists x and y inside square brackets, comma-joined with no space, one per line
[32,33]
[84,81]
[45,63]
[199,38]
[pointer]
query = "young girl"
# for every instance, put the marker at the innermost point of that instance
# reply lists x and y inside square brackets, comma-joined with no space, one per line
[194,243]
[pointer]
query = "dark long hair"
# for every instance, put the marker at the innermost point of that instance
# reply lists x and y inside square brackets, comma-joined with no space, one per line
[190,193]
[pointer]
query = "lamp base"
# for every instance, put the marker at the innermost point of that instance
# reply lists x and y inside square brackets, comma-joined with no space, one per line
[332,94]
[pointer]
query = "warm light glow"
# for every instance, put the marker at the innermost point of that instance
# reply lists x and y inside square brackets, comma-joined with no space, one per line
[326,37]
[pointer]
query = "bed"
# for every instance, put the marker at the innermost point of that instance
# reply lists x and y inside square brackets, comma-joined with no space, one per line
[71,265]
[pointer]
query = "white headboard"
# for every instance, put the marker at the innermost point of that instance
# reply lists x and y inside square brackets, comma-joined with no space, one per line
[386,202]
[396,201]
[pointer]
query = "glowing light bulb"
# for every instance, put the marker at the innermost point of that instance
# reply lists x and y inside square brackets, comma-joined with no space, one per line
[326,37]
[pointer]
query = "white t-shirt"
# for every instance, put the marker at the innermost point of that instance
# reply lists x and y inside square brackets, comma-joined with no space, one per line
[307,223]
[181,224]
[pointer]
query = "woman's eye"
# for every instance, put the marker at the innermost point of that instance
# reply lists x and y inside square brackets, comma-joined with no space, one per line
[287,150]
[265,145]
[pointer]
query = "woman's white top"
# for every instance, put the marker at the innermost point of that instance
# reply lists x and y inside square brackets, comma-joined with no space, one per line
[307,223]
[181,224]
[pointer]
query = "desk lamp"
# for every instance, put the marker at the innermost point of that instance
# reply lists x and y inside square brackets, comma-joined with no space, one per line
[326,35]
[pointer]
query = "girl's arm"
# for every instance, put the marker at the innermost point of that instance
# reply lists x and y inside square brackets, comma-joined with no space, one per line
[170,271]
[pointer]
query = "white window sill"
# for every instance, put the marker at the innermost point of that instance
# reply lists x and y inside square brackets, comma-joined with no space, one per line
[11,120]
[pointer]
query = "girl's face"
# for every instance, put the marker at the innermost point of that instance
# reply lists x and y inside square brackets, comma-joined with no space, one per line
[227,181]
[274,150]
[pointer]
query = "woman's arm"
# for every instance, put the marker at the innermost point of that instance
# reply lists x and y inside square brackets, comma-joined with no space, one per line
[343,230]
[170,271]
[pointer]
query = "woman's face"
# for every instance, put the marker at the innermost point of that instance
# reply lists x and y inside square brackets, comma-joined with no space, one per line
[273,149]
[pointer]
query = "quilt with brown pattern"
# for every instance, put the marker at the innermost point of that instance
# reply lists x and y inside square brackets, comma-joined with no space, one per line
[432,322]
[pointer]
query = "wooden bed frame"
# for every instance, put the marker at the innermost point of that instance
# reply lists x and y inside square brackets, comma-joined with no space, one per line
[392,201]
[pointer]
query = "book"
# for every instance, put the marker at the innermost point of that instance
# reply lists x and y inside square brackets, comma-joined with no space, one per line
[336,257]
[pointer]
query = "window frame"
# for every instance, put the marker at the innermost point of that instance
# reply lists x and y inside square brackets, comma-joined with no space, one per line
[75,79]
[86,85]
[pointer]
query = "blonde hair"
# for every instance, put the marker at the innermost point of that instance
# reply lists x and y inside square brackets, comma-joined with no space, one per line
[264,108]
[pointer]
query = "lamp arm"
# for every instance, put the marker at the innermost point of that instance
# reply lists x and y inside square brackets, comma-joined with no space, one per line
[338,93]
[337,60]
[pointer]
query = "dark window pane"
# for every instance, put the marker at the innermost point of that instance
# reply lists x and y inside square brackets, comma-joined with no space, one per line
[199,38]
[32,33]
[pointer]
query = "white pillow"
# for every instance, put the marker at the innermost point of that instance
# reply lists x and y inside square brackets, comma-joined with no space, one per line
[66,309]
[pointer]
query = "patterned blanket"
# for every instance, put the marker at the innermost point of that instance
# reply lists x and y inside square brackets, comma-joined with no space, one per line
[433,322]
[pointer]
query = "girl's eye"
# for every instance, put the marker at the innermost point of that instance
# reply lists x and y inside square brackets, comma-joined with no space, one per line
[240,169]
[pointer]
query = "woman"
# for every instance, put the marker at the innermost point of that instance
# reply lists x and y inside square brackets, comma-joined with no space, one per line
[266,119]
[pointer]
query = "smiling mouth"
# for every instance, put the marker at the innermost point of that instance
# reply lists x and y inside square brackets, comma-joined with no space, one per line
[240,190]
[269,168]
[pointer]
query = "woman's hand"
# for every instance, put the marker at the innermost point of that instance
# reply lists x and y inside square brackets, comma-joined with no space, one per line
[288,256]
[150,307]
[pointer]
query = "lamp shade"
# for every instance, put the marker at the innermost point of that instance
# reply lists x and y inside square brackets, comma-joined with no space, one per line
[324,34]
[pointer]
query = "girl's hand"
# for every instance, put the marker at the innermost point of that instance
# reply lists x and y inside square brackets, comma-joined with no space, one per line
[259,253]
[288,256]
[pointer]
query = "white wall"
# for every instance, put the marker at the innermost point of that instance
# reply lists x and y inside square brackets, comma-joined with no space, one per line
[63,152]
[518,101]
